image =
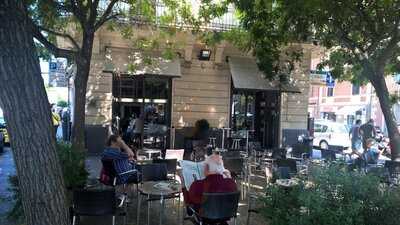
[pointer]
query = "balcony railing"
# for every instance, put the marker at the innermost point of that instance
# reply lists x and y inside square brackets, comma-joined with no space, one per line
[226,22]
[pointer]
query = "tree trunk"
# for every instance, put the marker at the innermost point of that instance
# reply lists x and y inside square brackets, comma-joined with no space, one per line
[82,76]
[27,112]
[382,92]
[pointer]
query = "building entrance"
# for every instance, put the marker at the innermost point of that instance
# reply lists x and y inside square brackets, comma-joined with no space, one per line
[146,99]
[257,111]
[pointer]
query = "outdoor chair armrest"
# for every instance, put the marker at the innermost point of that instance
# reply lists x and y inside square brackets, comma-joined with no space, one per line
[127,172]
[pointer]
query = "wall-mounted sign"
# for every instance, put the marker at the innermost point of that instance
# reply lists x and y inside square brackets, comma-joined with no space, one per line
[330,82]
[320,77]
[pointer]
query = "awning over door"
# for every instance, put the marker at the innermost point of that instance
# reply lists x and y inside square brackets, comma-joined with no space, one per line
[118,61]
[247,76]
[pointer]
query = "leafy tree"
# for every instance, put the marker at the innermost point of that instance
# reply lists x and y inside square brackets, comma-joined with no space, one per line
[53,18]
[362,36]
[27,112]
[50,19]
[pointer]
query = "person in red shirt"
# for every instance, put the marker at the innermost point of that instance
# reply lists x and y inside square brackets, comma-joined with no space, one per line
[217,181]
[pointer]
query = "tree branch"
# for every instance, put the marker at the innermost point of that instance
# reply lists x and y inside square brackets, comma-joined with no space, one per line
[78,13]
[57,52]
[115,16]
[71,39]
[106,15]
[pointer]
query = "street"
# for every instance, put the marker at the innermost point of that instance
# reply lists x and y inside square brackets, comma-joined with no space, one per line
[7,168]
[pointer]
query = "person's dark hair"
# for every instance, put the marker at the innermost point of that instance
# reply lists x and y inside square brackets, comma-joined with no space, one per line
[201,129]
[358,121]
[112,139]
[371,121]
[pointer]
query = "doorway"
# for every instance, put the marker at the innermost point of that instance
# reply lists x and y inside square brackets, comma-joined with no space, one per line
[258,111]
[147,98]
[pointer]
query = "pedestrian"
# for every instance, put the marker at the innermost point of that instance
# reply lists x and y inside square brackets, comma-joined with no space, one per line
[355,137]
[367,131]
[66,118]
[56,119]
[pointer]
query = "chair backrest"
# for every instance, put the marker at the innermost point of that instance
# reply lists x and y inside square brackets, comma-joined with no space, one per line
[328,154]
[283,172]
[230,154]
[393,167]
[94,202]
[153,172]
[290,163]
[171,164]
[279,153]
[175,154]
[234,165]
[218,206]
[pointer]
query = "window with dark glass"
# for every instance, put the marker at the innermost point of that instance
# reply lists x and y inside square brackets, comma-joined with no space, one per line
[329,92]
[355,89]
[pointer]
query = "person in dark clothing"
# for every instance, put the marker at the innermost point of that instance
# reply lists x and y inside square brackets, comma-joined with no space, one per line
[355,137]
[123,159]
[367,131]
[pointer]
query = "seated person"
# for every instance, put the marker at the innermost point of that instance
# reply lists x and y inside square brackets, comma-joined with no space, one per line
[123,159]
[372,153]
[213,183]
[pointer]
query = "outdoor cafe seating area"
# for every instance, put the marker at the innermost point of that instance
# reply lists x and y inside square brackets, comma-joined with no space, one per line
[159,198]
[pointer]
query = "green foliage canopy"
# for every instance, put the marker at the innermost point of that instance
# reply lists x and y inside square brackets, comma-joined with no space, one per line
[361,36]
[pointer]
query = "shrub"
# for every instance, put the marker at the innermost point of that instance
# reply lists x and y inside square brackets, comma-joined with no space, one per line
[72,162]
[334,196]
[74,173]
[62,104]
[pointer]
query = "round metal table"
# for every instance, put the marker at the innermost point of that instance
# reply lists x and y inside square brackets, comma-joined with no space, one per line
[161,190]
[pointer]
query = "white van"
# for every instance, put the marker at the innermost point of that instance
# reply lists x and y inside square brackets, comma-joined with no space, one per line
[331,135]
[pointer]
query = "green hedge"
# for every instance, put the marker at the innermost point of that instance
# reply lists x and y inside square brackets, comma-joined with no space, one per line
[334,196]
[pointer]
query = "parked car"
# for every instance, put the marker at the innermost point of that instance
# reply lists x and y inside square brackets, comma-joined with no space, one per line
[331,135]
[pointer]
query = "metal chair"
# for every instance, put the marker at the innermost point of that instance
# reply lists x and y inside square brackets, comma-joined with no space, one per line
[110,177]
[235,166]
[290,163]
[153,172]
[236,143]
[217,208]
[394,171]
[170,163]
[283,173]
[95,203]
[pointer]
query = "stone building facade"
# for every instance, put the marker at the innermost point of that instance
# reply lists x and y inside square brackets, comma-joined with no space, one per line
[203,89]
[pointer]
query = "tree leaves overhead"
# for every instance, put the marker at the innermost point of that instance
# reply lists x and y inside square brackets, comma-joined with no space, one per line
[355,32]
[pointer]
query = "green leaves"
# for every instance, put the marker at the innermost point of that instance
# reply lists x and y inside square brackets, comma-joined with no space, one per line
[333,195]
[356,32]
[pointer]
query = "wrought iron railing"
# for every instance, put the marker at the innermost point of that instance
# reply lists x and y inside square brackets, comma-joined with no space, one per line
[226,22]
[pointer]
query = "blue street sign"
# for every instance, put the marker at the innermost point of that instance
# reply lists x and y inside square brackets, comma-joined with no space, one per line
[53,65]
[330,82]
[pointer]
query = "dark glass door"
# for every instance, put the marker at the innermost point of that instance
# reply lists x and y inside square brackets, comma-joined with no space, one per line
[267,118]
